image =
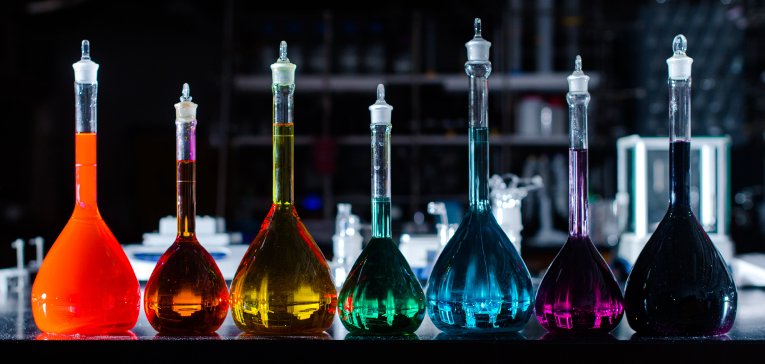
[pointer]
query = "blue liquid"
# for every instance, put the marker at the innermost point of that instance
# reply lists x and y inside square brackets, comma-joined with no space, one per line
[479,283]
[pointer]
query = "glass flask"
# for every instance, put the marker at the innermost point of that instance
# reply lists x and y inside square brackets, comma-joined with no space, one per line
[579,293]
[479,284]
[381,294]
[680,284]
[85,284]
[186,293]
[283,285]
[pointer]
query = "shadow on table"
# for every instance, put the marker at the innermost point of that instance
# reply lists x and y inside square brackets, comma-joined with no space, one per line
[246,336]
[443,336]
[213,336]
[550,336]
[647,338]
[394,337]
[127,335]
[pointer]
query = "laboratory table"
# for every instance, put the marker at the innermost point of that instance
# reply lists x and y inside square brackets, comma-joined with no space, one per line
[746,341]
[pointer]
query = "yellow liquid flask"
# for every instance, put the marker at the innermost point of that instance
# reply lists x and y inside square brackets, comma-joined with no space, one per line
[283,285]
[85,285]
[186,293]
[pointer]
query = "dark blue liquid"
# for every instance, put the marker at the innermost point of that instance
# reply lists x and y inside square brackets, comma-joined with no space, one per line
[680,284]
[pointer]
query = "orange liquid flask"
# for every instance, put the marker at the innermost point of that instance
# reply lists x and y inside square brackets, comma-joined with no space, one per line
[283,285]
[186,293]
[86,284]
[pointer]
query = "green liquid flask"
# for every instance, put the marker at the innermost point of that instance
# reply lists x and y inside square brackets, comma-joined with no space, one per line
[283,285]
[381,294]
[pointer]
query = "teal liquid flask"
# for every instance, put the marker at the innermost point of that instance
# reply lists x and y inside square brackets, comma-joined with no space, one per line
[479,283]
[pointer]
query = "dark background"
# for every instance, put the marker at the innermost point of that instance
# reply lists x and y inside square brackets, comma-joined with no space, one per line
[148,49]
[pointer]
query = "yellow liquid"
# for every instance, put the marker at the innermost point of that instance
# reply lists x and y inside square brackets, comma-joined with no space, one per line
[283,285]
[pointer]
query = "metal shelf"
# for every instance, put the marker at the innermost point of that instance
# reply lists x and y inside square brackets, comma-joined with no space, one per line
[441,140]
[548,82]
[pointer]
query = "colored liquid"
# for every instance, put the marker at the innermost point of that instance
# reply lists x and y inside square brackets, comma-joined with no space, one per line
[283,284]
[579,293]
[86,284]
[479,283]
[680,284]
[186,293]
[381,294]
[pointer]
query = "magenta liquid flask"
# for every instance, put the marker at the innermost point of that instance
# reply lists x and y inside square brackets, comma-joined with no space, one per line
[578,294]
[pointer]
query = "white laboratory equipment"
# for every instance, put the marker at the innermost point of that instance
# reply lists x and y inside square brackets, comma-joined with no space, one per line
[16,279]
[225,247]
[347,242]
[506,192]
[643,181]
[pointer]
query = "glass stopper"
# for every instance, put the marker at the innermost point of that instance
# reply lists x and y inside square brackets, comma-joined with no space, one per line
[679,44]
[85,50]
[185,93]
[283,52]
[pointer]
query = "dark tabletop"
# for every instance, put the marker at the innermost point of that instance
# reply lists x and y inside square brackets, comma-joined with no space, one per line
[746,340]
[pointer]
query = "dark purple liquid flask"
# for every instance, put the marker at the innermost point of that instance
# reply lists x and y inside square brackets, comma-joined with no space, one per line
[680,284]
[578,294]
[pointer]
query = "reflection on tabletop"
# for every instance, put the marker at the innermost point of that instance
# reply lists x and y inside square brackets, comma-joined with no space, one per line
[16,323]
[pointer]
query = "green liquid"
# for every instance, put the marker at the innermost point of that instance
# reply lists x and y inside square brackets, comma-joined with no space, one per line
[381,294]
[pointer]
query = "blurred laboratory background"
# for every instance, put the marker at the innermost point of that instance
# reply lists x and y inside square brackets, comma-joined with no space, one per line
[223,49]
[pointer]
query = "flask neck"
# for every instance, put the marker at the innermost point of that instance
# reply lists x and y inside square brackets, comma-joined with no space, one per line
[85,174]
[185,155]
[381,203]
[680,142]
[578,222]
[283,141]
[478,134]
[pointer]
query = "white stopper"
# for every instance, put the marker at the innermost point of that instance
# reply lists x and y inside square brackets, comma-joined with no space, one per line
[679,65]
[283,71]
[380,111]
[186,110]
[577,81]
[85,71]
[478,48]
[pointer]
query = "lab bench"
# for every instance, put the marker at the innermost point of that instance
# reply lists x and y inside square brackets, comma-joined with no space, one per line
[19,335]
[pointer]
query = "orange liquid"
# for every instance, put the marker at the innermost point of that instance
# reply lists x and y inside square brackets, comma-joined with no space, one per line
[186,293]
[85,284]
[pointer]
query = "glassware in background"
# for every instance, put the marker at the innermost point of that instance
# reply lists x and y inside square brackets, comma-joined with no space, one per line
[479,283]
[381,295]
[506,198]
[579,293]
[186,293]
[85,284]
[680,284]
[346,242]
[283,285]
